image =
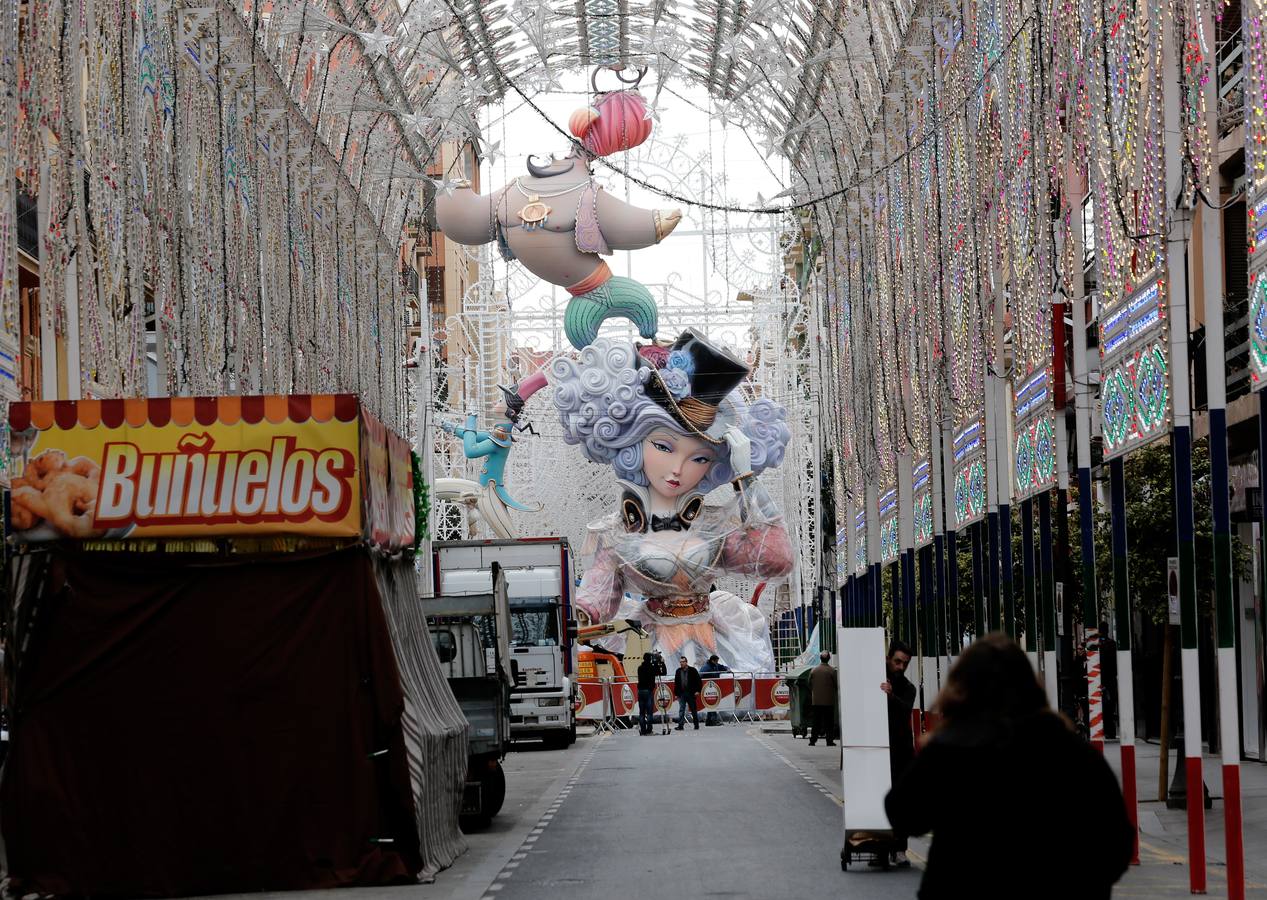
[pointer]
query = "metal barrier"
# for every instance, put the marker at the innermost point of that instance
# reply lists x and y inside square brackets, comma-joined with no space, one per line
[611,704]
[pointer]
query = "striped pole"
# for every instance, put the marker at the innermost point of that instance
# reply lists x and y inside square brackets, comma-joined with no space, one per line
[994,605]
[928,628]
[943,487]
[1001,470]
[896,596]
[874,614]
[1086,518]
[1125,681]
[1027,573]
[906,544]
[1181,444]
[1216,396]
[1049,599]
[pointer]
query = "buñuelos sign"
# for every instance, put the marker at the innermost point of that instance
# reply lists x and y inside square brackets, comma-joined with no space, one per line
[203,467]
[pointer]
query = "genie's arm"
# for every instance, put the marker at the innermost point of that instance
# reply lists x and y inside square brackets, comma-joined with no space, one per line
[631,228]
[760,546]
[465,216]
[602,587]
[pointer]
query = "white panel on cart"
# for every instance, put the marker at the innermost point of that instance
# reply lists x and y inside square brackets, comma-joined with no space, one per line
[864,728]
[864,709]
[867,782]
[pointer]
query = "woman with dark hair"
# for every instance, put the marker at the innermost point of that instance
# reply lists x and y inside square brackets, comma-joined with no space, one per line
[1019,805]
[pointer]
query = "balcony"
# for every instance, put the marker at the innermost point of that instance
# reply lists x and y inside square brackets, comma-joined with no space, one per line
[1231,58]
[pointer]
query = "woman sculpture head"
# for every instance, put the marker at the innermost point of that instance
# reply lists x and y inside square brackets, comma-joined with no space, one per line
[658,416]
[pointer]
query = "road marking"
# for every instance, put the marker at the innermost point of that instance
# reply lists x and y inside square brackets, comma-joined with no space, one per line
[507,871]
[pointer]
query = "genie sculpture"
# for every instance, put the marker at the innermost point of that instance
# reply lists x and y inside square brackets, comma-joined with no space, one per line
[559,223]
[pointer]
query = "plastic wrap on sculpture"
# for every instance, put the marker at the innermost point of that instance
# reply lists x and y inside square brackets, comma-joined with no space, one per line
[670,425]
[559,223]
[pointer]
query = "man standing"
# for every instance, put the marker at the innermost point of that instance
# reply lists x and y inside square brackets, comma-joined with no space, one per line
[686,685]
[901,694]
[646,693]
[822,697]
[713,668]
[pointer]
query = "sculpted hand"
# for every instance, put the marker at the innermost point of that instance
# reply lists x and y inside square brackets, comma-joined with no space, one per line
[665,221]
[740,451]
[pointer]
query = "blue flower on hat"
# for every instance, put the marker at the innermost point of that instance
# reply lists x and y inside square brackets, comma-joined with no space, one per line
[675,382]
[683,362]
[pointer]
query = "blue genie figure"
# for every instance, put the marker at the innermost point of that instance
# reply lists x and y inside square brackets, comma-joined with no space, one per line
[490,495]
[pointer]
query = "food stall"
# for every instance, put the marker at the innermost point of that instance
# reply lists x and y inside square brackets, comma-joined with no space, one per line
[219,673]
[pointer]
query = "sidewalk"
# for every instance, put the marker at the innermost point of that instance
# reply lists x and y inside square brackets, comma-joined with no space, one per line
[1163,869]
[1163,833]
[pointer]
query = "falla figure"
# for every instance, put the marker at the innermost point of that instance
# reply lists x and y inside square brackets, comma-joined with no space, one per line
[559,223]
[672,425]
[489,495]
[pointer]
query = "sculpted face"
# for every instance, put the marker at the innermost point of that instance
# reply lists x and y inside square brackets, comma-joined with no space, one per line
[675,463]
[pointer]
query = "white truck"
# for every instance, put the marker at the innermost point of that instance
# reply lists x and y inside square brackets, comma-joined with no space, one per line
[539,576]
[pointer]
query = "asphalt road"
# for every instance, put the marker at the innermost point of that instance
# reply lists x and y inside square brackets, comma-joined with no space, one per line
[708,813]
[720,812]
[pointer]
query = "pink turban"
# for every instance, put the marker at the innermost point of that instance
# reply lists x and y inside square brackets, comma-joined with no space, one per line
[617,121]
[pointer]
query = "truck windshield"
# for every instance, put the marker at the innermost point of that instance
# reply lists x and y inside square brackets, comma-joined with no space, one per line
[534,626]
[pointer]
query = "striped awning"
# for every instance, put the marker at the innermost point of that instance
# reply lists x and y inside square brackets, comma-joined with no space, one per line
[183,411]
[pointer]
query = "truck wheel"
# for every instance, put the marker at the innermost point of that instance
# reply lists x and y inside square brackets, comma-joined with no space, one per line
[492,796]
[494,792]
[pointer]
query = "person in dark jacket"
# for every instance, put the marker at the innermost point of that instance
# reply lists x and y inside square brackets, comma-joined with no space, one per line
[822,698]
[901,700]
[646,693]
[687,685]
[713,667]
[1005,776]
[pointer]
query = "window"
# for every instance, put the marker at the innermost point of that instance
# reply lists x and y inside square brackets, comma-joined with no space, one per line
[534,626]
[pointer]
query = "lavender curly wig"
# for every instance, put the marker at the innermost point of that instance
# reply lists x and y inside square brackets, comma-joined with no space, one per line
[605,409]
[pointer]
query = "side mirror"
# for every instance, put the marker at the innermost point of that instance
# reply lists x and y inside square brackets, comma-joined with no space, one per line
[571,629]
[446,646]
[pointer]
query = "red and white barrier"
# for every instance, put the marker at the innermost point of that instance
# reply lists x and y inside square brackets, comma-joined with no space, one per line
[591,699]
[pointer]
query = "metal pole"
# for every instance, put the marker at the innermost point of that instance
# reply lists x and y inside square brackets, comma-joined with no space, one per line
[1125,681]
[1177,300]
[1027,570]
[979,624]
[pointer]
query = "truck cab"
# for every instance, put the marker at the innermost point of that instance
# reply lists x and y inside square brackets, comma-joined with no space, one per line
[538,573]
[480,677]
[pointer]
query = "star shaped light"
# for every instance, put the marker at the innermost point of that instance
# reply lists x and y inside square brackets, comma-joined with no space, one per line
[416,122]
[376,42]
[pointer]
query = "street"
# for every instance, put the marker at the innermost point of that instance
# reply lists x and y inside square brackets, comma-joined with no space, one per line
[740,810]
[697,813]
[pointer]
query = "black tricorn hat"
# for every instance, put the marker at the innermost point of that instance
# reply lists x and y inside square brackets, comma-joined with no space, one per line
[715,373]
